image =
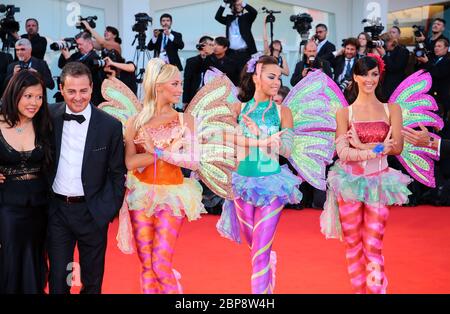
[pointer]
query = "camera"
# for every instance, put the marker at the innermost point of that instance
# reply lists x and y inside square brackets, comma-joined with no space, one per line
[91,21]
[345,83]
[66,43]
[23,65]
[420,50]
[8,25]
[270,17]
[142,20]
[112,54]
[375,43]
[374,29]
[302,22]
[419,30]
[200,46]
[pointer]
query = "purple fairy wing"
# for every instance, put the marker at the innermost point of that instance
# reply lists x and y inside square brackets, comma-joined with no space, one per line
[417,107]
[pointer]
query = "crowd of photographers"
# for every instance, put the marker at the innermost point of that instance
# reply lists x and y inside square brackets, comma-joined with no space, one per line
[102,54]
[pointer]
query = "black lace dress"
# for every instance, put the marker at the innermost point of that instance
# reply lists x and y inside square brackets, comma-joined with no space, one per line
[23,220]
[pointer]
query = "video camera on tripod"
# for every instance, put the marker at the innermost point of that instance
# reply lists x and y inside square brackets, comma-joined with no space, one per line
[140,27]
[375,28]
[302,23]
[8,25]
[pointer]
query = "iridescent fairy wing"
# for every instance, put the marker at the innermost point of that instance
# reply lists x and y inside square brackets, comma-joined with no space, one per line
[212,110]
[120,102]
[313,105]
[213,72]
[417,107]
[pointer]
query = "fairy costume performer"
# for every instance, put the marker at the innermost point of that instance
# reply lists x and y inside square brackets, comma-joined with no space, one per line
[158,141]
[361,185]
[261,187]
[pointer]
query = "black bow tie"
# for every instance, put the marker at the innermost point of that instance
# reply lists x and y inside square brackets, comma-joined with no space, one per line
[77,117]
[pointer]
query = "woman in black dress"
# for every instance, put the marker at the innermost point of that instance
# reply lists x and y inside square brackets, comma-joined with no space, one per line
[25,157]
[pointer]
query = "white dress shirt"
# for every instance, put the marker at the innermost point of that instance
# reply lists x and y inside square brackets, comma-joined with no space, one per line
[162,51]
[68,176]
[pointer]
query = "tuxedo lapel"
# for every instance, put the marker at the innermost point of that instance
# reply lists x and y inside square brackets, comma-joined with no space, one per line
[91,135]
[58,125]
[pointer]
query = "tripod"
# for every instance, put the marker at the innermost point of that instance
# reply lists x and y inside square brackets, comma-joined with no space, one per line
[8,42]
[304,36]
[141,55]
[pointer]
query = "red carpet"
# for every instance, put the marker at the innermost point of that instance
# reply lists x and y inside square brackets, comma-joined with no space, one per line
[417,256]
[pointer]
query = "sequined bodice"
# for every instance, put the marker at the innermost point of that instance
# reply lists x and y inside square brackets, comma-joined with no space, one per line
[258,163]
[161,173]
[269,125]
[15,163]
[371,131]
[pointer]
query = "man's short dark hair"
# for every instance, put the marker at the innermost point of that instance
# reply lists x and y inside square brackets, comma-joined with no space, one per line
[222,41]
[441,20]
[165,15]
[444,41]
[205,38]
[75,69]
[322,25]
[351,41]
[397,28]
[32,19]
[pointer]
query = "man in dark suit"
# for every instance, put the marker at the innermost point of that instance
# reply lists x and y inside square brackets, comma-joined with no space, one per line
[86,55]
[439,68]
[343,62]
[87,183]
[196,68]
[5,60]
[396,58]
[38,43]
[26,61]
[239,30]
[221,61]
[310,62]
[324,47]
[166,42]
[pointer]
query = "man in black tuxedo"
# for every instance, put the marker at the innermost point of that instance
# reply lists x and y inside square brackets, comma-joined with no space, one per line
[239,30]
[87,183]
[343,62]
[310,63]
[166,42]
[86,55]
[324,47]
[195,69]
[27,61]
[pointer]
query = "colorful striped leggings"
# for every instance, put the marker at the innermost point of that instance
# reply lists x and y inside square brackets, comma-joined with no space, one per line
[363,226]
[155,241]
[258,225]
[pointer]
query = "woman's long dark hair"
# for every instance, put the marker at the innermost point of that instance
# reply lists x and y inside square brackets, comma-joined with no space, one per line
[247,87]
[362,67]
[9,111]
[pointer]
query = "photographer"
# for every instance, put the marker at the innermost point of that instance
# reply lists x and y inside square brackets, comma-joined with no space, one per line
[239,30]
[310,62]
[166,42]
[396,59]
[115,66]
[324,47]
[274,49]
[38,43]
[439,67]
[221,61]
[110,40]
[196,68]
[86,55]
[437,30]
[28,62]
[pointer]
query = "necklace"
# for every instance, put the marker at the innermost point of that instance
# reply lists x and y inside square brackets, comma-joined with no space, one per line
[20,130]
